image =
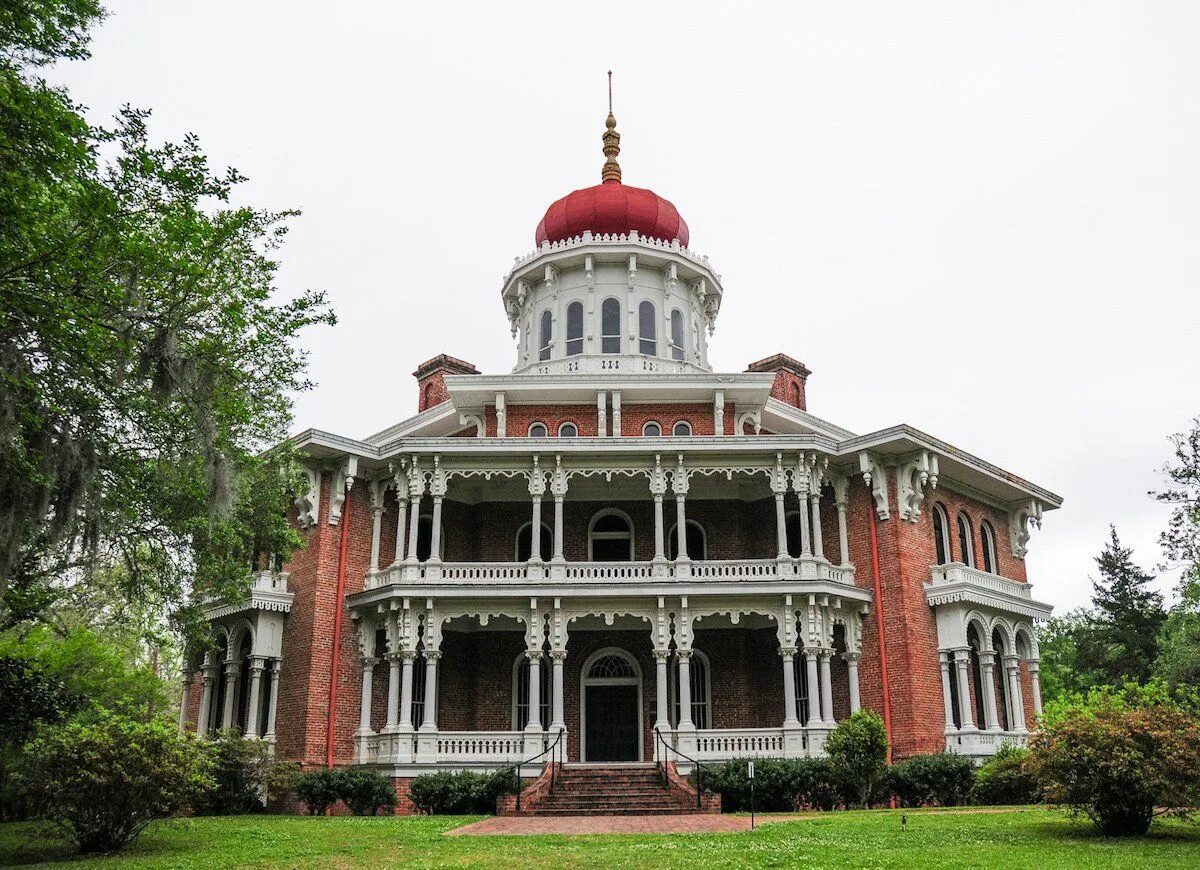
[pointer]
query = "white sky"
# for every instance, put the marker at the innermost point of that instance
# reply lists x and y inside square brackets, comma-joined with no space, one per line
[977,218]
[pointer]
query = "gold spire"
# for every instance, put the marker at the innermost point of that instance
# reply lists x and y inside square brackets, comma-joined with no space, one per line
[612,143]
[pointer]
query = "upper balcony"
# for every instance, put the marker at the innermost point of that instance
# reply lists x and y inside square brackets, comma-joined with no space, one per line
[955,582]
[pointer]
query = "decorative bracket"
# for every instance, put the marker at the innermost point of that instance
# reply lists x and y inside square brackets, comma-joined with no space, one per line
[343,482]
[873,476]
[1019,518]
[911,479]
[308,500]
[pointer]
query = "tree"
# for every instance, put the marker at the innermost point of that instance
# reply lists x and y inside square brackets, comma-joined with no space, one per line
[144,364]
[1129,616]
[1068,646]
[857,748]
[1120,757]
[1179,659]
[105,779]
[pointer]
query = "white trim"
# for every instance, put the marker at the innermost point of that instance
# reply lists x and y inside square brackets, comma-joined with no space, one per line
[568,423]
[652,423]
[529,431]
[612,536]
[585,681]
[679,423]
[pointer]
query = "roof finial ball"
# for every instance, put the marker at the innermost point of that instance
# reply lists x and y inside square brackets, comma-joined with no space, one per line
[612,144]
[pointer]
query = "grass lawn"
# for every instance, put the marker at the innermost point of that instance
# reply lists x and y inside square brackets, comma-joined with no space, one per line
[1012,838]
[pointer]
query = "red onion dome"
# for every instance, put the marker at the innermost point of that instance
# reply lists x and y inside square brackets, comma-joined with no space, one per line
[613,208]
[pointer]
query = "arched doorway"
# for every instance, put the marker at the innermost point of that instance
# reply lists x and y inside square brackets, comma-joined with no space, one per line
[611,707]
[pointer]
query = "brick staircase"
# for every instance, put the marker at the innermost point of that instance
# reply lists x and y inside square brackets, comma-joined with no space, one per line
[614,790]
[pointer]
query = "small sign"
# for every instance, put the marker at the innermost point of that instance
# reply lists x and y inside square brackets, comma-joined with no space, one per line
[750,769]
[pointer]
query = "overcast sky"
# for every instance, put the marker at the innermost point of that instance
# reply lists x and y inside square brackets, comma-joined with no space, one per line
[977,218]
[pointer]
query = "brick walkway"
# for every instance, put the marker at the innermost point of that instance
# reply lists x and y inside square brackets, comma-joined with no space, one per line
[688,824]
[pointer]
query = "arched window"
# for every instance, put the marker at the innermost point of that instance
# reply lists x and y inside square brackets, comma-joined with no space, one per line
[537,430]
[610,537]
[612,667]
[652,430]
[545,336]
[800,672]
[941,535]
[568,430]
[682,429]
[521,693]
[425,538]
[647,329]
[418,689]
[701,685]
[677,335]
[574,329]
[955,713]
[697,542]
[610,326]
[1000,684]
[988,539]
[525,543]
[966,541]
[976,675]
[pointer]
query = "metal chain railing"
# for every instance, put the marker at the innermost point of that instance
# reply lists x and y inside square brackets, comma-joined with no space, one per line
[661,763]
[555,750]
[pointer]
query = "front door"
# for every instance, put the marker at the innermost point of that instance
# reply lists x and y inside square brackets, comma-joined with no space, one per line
[612,723]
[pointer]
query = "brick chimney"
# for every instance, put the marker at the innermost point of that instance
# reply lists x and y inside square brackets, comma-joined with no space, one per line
[431,379]
[791,375]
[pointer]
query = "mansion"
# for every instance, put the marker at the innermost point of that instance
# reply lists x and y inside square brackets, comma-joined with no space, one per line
[613,540]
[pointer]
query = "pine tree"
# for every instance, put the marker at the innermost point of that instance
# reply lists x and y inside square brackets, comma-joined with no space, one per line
[1129,616]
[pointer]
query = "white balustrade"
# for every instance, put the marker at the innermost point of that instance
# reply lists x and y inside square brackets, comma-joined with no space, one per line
[956,572]
[481,746]
[722,744]
[609,572]
[735,569]
[982,743]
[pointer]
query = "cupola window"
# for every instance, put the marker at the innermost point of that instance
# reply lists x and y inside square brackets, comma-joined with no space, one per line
[677,335]
[575,329]
[647,331]
[610,326]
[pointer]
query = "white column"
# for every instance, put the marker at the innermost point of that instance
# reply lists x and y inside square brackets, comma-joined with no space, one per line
[376,523]
[184,697]
[1017,708]
[814,688]
[616,414]
[393,701]
[962,659]
[680,530]
[685,690]
[601,414]
[231,679]
[558,529]
[414,521]
[947,698]
[805,542]
[208,686]
[535,537]
[401,525]
[406,687]
[272,702]
[535,690]
[789,687]
[435,534]
[780,526]
[852,675]
[659,536]
[826,688]
[987,661]
[843,536]
[253,700]
[431,660]
[1035,686]
[662,720]
[818,547]
[558,721]
[718,412]
[364,710]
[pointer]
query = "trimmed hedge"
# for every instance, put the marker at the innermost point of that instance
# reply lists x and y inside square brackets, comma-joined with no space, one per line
[464,793]
[942,779]
[780,784]
[363,791]
[1006,779]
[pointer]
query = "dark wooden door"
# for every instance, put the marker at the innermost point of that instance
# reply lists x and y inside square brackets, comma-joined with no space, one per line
[612,723]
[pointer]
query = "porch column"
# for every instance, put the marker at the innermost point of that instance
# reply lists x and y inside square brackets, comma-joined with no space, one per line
[805,522]
[679,485]
[814,688]
[680,530]
[826,688]
[535,531]
[435,533]
[780,526]
[535,690]
[660,549]
[406,687]
[376,524]
[962,659]
[401,523]
[1017,707]
[947,698]
[852,674]
[184,699]
[558,719]
[558,529]
[364,709]
[208,679]
[789,687]
[414,522]
[272,702]
[231,681]
[841,487]
[685,690]
[1035,686]
[662,719]
[431,661]
[818,547]
[393,701]
[987,664]
[253,700]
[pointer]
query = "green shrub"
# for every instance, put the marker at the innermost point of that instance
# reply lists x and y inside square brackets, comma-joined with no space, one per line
[244,772]
[1120,759]
[464,793]
[857,748]
[104,779]
[365,791]
[942,779]
[318,790]
[1006,779]
[780,784]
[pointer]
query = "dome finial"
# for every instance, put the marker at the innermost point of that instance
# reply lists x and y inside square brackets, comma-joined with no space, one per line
[612,143]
